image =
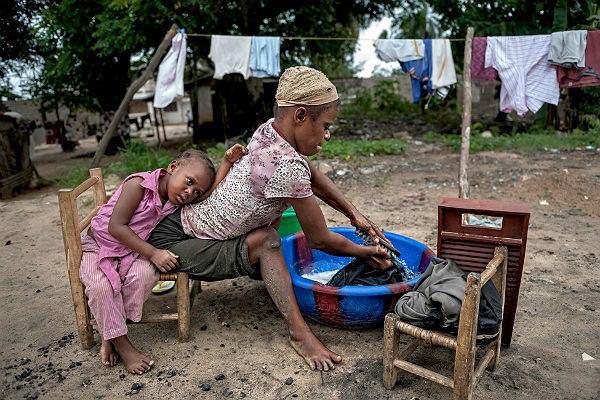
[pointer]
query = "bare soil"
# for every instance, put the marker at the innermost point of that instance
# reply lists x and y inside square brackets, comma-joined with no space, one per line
[236,330]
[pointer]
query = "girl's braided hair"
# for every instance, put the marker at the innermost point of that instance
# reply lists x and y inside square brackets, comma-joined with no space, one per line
[193,154]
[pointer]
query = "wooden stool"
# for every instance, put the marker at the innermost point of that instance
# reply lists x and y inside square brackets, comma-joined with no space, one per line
[72,227]
[466,374]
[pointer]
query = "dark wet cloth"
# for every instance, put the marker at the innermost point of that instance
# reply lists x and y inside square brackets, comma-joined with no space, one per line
[436,300]
[359,273]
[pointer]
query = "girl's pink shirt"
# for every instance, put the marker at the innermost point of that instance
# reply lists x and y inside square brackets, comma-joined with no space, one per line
[115,258]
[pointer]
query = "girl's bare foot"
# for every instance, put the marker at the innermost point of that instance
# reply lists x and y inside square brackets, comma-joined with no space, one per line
[317,356]
[108,355]
[135,361]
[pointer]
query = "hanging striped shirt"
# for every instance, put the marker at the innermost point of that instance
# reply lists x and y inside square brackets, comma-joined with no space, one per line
[528,81]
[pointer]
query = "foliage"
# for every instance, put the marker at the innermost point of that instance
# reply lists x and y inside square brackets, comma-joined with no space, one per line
[346,149]
[16,38]
[535,140]
[384,99]
[507,17]
[137,157]
[84,47]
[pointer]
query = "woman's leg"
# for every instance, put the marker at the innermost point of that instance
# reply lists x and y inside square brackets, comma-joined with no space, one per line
[264,246]
[106,307]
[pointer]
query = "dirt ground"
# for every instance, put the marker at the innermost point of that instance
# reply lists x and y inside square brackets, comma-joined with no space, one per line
[237,332]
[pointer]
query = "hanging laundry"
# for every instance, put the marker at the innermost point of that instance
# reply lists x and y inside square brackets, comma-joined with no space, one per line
[442,70]
[528,81]
[588,76]
[436,300]
[264,56]
[230,54]
[420,71]
[421,60]
[169,82]
[567,49]
[402,50]
[478,71]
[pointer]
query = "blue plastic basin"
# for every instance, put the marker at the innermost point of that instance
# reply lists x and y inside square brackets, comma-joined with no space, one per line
[349,306]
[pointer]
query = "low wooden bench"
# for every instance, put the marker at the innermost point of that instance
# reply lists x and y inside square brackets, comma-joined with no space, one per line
[72,227]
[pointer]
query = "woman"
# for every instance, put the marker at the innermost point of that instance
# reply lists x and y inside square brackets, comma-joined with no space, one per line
[231,234]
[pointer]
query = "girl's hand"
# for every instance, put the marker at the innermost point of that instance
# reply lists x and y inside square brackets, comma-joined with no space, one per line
[234,153]
[164,260]
[378,257]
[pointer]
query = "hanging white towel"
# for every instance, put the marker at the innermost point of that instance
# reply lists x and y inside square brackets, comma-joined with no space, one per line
[528,81]
[443,73]
[169,82]
[230,54]
[402,50]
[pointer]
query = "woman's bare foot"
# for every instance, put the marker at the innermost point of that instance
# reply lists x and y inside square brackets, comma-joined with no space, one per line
[317,356]
[108,355]
[135,361]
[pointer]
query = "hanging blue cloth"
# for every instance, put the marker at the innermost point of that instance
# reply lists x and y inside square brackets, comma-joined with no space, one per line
[264,56]
[420,73]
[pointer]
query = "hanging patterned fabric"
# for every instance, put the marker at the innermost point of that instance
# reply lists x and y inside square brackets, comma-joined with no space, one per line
[588,76]
[478,70]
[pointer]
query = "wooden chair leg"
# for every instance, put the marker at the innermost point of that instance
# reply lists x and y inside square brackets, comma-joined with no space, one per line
[499,280]
[82,317]
[464,361]
[183,307]
[390,350]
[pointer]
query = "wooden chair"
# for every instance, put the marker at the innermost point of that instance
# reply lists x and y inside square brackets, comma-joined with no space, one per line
[72,227]
[466,374]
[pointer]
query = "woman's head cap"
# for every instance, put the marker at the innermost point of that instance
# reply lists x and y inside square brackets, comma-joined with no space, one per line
[304,86]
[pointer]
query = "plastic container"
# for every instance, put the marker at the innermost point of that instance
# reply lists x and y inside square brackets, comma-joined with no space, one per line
[349,306]
[289,223]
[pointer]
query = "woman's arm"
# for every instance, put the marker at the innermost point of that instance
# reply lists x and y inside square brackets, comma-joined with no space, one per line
[118,226]
[319,237]
[325,189]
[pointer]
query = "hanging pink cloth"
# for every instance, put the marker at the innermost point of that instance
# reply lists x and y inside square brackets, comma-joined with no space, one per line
[478,70]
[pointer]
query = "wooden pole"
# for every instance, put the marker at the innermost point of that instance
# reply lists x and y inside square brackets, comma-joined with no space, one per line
[162,123]
[463,182]
[135,86]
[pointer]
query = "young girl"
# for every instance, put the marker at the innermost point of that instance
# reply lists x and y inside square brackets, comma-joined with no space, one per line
[118,265]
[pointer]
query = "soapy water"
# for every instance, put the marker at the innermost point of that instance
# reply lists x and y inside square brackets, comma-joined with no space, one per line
[320,271]
[399,263]
[321,277]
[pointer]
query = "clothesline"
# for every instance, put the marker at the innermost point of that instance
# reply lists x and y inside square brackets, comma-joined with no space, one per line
[314,37]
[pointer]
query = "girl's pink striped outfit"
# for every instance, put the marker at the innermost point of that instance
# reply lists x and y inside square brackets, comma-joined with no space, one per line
[117,281]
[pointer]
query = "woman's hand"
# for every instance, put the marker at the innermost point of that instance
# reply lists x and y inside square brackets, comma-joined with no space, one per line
[164,260]
[377,257]
[364,223]
[234,153]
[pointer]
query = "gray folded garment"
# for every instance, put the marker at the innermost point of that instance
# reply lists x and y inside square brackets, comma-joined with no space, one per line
[567,49]
[440,288]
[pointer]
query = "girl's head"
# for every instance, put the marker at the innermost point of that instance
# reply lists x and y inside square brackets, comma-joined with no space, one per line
[307,104]
[190,176]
